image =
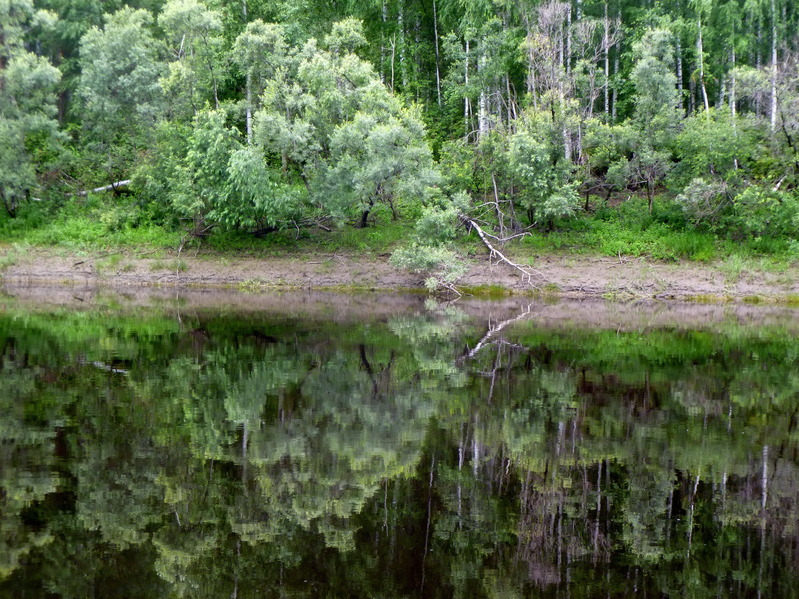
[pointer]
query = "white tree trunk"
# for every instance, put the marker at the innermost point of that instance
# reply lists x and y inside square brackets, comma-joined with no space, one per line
[680,89]
[773,66]
[401,27]
[249,109]
[384,15]
[482,114]
[569,41]
[466,103]
[701,58]
[615,91]
[732,85]
[606,48]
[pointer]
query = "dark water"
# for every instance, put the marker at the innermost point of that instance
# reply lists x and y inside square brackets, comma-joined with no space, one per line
[414,452]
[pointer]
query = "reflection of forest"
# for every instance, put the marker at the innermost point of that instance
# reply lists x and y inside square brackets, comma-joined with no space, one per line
[224,456]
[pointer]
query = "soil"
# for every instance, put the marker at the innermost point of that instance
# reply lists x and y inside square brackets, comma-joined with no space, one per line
[561,276]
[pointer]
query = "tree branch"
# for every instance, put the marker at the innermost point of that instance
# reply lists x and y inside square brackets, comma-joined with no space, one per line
[494,252]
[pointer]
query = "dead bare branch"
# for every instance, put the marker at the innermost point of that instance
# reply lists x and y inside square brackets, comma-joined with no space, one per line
[528,272]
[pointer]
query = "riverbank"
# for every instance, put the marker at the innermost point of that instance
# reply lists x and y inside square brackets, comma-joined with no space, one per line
[562,276]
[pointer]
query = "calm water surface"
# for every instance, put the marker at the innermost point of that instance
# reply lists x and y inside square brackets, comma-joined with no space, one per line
[461,451]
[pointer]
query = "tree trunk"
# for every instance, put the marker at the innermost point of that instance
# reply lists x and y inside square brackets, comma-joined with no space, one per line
[606,48]
[773,67]
[384,16]
[568,56]
[466,103]
[482,115]
[701,57]
[3,60]
[403,65]
[615,72]
[438,66]
[365,214]
[680,90]
[393,56]
[9,204]
[732,83]
[249,109]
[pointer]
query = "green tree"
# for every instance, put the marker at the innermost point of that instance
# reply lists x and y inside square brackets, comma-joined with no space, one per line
[119,88]
[260,51]
[29,135]
[332,121]
[196,45]
[199,183]
[642,152]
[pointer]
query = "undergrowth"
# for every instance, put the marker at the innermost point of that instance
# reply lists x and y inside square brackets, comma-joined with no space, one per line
[102,223]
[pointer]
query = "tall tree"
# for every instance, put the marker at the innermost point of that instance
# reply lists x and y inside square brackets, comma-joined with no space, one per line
[259,51]
[337,126]
[194,36]
[28,125]
[119,88]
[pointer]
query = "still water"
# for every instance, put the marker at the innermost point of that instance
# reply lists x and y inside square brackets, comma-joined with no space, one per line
[313,446]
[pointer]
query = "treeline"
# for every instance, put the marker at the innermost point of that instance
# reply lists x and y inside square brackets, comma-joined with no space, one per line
[258,115]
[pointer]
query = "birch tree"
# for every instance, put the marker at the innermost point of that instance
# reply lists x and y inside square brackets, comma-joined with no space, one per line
[195,43]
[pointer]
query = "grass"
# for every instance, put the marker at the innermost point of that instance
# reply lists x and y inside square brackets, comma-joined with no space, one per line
[627,230]
[657,241]
[732,268]
[12,256]
[485,291]
[172,265]
[630,231]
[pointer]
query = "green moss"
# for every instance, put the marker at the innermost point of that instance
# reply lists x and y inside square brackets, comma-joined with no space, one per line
[486,291]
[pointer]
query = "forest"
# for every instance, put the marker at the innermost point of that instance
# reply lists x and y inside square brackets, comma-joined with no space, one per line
[170,122]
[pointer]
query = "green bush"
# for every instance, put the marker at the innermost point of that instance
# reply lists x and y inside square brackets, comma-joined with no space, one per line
[761,212]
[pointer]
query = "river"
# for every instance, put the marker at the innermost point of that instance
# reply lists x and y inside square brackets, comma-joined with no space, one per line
[314,445]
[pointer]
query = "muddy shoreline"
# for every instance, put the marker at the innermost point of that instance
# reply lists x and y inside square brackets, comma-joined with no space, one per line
[577,277]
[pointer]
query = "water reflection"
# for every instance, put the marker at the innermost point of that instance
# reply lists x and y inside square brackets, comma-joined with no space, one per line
[423,452]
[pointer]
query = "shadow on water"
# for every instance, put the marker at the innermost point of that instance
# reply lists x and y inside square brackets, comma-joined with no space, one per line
[309,444]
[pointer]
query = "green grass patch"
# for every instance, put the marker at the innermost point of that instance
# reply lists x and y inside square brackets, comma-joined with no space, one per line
[11,257]
[485,291]
[615,238]
[111,224]
[171,265]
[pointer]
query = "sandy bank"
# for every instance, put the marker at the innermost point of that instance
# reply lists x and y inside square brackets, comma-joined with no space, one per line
[568,277]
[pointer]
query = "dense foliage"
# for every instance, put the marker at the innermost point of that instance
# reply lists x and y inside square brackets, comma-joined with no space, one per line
[256,116]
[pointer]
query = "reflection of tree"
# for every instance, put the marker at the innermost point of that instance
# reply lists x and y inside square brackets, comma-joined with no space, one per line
[26,462]
[318,468]
[387,461]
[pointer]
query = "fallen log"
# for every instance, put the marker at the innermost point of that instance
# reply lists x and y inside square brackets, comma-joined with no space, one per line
[113,186]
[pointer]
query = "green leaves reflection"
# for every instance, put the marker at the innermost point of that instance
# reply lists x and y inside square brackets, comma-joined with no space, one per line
[238,455]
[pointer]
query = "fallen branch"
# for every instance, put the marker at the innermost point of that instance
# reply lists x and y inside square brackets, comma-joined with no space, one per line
[504,239]
[494,252]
